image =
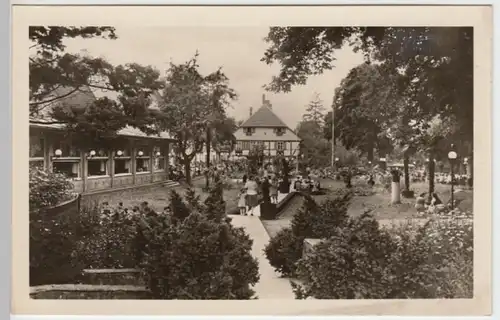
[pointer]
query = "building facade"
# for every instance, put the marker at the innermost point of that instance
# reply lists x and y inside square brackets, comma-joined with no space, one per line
[264,129]
[137,159]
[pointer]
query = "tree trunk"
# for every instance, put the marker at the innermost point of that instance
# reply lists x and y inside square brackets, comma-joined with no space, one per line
[470,172]
[370,154]
[187,171]
[207,145]
[406,162]
[431,169]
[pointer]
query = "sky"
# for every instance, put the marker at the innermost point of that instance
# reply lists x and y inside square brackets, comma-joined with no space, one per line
[237,50]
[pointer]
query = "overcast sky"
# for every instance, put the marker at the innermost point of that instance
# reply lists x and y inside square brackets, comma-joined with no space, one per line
[237,50]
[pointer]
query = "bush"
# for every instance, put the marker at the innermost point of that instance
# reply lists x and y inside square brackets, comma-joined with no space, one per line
[363,261]
[348,265]
[47,189]
[107,241]
[200,256]
[284,250]
[311,221]
[52,250]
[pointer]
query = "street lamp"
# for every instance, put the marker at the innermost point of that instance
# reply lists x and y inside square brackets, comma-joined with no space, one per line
[452,156]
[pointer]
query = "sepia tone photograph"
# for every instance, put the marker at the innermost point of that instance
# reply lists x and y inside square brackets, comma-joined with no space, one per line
[252,162]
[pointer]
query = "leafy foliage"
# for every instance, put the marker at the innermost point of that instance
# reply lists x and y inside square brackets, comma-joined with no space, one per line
[47,189]
[363,261]
[62,85]
[311,221]
[53,250]
[284,250]
[193,106]
[315,149]
[437,63]
[199,256]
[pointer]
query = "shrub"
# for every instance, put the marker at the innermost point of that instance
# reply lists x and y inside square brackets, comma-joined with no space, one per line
[47,189]
[310,221]
[363,261]
[284,250]
[199,256]
[52,250]
[348,265]
[107,241]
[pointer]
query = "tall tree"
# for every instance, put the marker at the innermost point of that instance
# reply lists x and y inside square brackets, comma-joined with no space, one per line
[362,103]
[440,57]
[315,149]
[191,105]
[315,111]
[56,76]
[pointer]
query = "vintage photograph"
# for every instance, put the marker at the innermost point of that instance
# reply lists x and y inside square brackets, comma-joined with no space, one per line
[273,162]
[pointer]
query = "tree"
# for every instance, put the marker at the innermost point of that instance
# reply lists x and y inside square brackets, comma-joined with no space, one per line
[191,104]
[56,77]
[440,58]
[315,149]
[315,111]
[223,138]
[363,102]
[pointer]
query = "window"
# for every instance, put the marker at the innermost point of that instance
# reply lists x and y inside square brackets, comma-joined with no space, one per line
[142,160]
[97,165]
[123,162]
[279,131]
[245,145]
[249,131]
[66,160]
[280,145]
[36,151]
[159,160]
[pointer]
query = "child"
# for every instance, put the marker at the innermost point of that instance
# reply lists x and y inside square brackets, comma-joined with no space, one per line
[273,190]
[242,202]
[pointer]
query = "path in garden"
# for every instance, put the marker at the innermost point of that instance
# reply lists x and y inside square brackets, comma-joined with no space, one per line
[270,285]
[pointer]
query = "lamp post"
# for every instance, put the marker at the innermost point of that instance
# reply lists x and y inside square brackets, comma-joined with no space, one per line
[452,156]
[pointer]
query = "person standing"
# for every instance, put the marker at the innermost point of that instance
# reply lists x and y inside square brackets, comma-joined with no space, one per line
[273,190]
[252,188]
[242,202]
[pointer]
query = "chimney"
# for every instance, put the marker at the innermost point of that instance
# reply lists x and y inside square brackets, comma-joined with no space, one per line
[266,102]
[251,111]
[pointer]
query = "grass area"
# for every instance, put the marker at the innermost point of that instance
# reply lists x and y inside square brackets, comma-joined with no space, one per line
[379,204]
[158,196]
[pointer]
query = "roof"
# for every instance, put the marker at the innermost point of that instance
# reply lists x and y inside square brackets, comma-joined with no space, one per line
[264,117]
[127,131]
[81,98]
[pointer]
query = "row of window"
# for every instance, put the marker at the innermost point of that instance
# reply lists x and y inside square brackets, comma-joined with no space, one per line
[67,160]
[100,167]
[277,131]
[247,145]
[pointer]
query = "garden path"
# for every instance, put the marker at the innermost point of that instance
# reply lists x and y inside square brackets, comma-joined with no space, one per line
[270,285]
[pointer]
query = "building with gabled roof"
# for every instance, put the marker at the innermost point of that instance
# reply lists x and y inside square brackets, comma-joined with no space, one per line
[139,159]
[266,130]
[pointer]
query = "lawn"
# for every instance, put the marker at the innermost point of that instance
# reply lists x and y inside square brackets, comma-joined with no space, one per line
[158,196]
[379,204]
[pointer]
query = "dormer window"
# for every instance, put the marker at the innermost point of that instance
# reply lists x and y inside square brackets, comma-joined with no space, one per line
[279,131]
[249,131]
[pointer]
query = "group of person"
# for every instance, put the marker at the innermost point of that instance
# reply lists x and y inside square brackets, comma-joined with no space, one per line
[306,184]
[255,187]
